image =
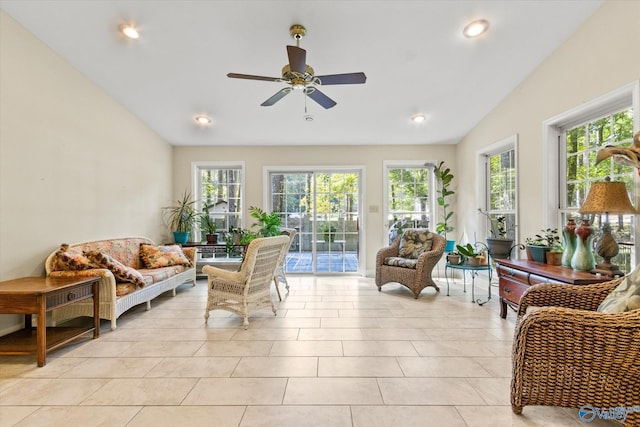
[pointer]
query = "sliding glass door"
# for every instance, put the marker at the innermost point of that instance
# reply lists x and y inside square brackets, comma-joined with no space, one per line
[324,207]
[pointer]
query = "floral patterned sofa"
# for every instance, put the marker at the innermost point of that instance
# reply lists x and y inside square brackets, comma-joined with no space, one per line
[134,270]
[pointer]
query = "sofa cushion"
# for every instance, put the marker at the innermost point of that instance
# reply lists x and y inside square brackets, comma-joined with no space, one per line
[154,275]
[119,270]
[71,259]
[400,262]
[163,256]
[414,242]
[625,297]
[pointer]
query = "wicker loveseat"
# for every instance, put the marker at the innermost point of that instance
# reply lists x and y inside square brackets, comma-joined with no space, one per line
[118,295]
[410,260]
[567,354]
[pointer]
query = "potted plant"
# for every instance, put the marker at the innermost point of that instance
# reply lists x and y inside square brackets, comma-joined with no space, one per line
[268,223]
[499,245]
[470,254]
[541,243]
[453,258]
[182,217]
[208,226]
[444,178]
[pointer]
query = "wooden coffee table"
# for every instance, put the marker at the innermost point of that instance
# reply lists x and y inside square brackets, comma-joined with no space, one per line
[39,295]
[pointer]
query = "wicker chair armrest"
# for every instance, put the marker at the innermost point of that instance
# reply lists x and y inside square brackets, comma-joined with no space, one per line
[216,273]
[587,297]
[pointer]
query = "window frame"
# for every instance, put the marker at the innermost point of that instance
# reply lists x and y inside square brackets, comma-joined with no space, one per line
[196,172]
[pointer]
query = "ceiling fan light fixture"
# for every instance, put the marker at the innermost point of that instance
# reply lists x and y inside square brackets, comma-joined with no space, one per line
[203,119]
[476,28]
[129,31]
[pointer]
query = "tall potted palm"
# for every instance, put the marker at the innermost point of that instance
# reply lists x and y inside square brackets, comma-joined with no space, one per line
[444,177]
[182,217]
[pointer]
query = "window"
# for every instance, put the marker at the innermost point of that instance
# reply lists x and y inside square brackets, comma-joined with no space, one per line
[580,145]
[408,202]
[571,141]
[501,186]
[219,186]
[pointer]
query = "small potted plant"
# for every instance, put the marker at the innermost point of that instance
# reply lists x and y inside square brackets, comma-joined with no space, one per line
[541,243]
[453,258]
[268,223]
[208,226]
[499,244]
[470,254]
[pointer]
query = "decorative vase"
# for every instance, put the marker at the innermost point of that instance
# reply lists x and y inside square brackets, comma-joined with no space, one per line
[583,259]
[569,244]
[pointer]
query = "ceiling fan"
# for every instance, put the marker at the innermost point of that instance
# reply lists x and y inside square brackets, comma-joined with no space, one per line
[300,76]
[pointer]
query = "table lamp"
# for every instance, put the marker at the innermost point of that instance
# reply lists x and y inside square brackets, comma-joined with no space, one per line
[607,197]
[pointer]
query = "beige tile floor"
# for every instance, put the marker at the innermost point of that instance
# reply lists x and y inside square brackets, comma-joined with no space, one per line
[339,353]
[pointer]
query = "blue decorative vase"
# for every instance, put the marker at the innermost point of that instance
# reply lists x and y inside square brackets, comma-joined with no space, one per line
[583,259]
[451,246]
[569,245]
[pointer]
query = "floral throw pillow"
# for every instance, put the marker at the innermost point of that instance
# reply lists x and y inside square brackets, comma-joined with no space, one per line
[163,256]
[119,270]
[625,297]
[71,259]
[414,242]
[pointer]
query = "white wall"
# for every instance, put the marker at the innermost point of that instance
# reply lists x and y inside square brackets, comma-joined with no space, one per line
[74,164]
[598,58]
[371,157]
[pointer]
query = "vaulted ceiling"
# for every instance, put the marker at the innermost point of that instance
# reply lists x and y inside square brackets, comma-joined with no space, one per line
[414,55]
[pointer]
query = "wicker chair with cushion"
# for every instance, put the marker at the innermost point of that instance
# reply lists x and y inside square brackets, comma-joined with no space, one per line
[249,289]
[279,275]
[568,353]
[410,260]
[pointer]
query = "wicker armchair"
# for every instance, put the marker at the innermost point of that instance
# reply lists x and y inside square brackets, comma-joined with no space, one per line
[249,289]
[567,354]
[415,274]
[279,275]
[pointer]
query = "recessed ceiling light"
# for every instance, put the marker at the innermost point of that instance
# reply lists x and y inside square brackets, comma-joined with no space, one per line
[476,28]
[418,118]
[129,31]
[203,120]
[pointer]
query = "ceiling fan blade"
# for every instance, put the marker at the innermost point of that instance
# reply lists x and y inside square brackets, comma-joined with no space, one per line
[321,98]
[297,59]
[342,79]
[277,97]
[250,77]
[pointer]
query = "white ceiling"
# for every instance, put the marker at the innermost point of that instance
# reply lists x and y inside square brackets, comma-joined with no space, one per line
[413,53]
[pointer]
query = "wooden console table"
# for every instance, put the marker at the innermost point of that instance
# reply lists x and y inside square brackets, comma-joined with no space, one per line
[515,276]
[38,295]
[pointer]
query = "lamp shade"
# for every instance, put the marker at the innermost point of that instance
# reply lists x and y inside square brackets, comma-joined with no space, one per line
[608,197]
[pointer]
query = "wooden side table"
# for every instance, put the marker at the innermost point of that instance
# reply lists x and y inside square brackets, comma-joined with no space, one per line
[39,295]
[515,276]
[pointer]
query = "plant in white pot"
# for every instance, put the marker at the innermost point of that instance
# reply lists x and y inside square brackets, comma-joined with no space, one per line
[182,217]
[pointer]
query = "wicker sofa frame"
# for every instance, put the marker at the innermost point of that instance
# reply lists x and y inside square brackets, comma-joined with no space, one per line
[567,354]
[111,307]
